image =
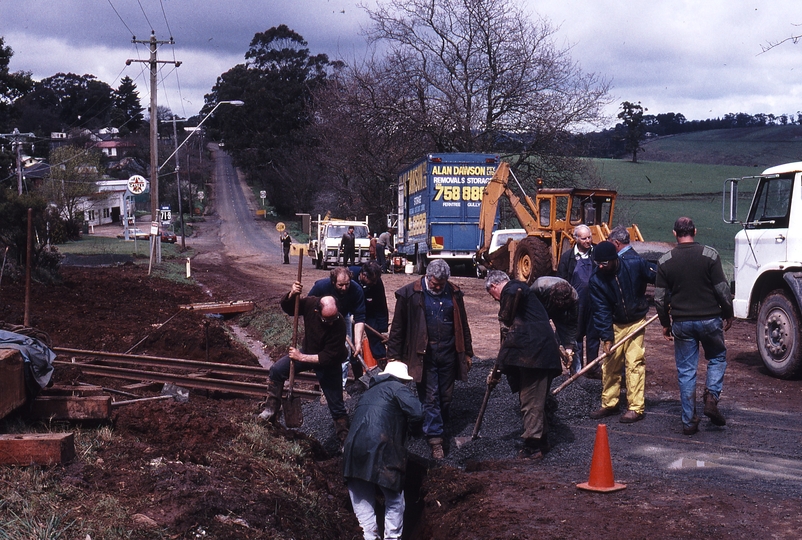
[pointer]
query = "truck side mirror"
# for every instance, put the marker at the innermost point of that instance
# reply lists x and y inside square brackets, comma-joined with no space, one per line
[730,215]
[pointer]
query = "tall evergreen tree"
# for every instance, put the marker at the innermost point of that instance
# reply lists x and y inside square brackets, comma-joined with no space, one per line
[127,115]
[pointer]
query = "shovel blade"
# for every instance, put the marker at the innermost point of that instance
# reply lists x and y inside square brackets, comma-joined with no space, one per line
[293,413]
[462,441]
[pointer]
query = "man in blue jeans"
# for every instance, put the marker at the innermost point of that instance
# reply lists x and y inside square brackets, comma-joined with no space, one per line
[694,303]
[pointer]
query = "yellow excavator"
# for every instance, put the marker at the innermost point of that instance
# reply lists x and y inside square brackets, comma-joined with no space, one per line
[549,222]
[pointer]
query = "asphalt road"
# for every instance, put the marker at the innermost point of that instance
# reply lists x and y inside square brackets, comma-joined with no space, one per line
[241,231]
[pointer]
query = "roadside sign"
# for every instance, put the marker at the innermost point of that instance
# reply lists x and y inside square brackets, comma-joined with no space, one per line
[165,215]
[154,228]
[263,194]
[200,195]
[137,184]
[280,226]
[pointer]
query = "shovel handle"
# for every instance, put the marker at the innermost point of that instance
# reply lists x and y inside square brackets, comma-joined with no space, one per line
[295,324]
[359,356]
[603,355]
[481,416]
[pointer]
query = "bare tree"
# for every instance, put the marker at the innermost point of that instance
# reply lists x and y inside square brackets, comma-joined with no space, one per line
[480,74]
[74,173]
[457,76]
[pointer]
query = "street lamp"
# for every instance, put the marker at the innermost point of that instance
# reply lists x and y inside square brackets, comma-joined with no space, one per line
[235,103]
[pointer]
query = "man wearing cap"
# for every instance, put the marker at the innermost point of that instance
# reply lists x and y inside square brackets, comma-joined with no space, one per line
[618,295]
[323,351]
[375,455]
[430,334]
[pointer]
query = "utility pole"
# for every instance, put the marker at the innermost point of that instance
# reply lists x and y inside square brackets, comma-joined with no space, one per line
[16,140]
[155,244]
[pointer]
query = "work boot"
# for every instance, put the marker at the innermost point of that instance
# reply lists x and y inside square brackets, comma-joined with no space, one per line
[436,446]
[341,427]
[603,412]
[272,404]
[532,449]
[711,409]
[691,428]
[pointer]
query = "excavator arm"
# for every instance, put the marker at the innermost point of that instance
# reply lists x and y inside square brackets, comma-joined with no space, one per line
[497,188]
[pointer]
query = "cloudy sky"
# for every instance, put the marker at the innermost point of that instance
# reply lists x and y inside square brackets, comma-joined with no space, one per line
[701,59]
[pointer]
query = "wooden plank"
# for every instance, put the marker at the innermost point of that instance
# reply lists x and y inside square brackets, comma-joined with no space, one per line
[238,306]
[37,448]
[146,385]
[12,381]
[72,390]
[71,408]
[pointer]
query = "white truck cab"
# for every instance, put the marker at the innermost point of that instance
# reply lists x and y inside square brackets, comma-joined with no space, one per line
[324,249]
[767,280]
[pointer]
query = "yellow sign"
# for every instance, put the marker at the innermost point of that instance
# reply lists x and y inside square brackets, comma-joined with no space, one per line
[280,226]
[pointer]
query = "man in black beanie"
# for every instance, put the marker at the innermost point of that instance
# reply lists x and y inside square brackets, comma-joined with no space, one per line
[618,296]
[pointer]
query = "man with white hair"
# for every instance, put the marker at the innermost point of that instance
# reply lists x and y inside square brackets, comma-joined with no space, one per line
[576,266]
[430,334]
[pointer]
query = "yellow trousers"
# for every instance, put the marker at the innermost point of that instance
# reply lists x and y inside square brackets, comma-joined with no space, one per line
[630,354]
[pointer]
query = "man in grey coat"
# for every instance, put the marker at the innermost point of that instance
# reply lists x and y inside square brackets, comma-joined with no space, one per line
[375,455]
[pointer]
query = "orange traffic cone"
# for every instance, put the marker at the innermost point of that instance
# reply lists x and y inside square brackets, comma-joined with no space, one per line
[367,355]
[601,468]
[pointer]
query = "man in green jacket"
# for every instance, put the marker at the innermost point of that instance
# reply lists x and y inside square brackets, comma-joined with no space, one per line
[694,303]
[375,455]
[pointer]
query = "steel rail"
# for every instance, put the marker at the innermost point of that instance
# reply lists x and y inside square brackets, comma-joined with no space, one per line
[175,363]
[247,388]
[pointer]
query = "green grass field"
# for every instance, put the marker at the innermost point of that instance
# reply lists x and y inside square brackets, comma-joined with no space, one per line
[654,194]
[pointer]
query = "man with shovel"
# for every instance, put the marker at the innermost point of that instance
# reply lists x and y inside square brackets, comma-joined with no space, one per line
[618,293]
[529,356]
[323,351]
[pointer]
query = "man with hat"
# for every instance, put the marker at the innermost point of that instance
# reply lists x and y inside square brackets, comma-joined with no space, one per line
[375,455]
[618,295]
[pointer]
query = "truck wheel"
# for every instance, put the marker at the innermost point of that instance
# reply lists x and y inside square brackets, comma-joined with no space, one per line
[532,260]
[420,264]
[318,263]
[779,335]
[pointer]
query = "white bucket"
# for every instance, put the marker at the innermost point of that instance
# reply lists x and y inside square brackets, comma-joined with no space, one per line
[409,268]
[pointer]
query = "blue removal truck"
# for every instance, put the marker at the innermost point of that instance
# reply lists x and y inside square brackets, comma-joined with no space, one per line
[439,199]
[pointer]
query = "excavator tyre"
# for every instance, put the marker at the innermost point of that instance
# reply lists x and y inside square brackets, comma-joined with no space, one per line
[532,260]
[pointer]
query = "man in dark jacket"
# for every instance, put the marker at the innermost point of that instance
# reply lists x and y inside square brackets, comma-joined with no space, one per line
[618,293]
[694,303]
[562,305]
[348,246]
[323,351]
[430,334]
[576,266]
[286,244]
[377,316]
[351,303]
[529,355]
[375,455]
